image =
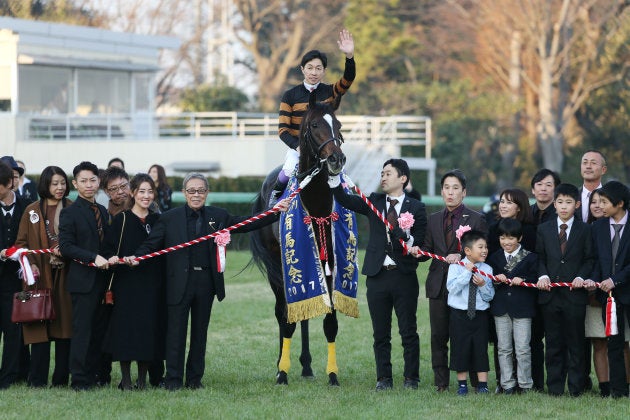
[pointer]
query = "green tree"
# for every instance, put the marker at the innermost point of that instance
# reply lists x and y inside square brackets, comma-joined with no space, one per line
[213,98]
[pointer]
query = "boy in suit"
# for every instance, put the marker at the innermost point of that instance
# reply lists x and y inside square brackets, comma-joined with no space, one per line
[392,283]
[513,307]
[565,254]
[469,294]
[82,228]
[440,239]
[612,270]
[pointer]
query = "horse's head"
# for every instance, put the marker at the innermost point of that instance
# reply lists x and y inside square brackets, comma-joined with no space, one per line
[321,139]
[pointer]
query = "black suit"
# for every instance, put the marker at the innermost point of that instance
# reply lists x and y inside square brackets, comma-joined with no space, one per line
[395,289]
[9,284]
[435,242]
[79,240]
[191,288]
[621,292]
[564,309]
[517,301]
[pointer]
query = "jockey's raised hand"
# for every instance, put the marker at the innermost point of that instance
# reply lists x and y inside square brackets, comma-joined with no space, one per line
[346,43]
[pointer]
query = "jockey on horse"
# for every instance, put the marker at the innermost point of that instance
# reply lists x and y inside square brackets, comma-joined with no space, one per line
[295,102]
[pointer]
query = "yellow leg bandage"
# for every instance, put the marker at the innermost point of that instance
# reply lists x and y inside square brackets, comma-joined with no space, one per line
[285,358]
[331,366]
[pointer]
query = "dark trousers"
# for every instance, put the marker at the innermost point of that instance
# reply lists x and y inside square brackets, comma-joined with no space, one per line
[197,302]
[616,366]
[538,350]
[564,339]
[40,363]
[439,315]
[87,339]
[12,342]
[398,291]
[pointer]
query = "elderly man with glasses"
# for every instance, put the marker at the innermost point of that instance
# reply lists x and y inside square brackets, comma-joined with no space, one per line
[193,277]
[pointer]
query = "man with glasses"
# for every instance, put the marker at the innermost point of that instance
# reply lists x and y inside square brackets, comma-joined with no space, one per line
[193,278]
[115,182]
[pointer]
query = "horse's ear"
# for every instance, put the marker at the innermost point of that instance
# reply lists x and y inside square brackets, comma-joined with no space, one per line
[335,103]
[312,100]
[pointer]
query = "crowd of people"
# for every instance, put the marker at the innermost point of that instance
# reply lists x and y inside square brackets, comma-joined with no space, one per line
[536,329]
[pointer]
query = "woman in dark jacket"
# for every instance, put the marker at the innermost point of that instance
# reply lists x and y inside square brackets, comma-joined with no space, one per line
[163,190]
[134,328]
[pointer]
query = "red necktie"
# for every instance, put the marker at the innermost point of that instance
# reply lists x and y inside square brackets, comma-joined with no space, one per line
[392,216]
[562,237]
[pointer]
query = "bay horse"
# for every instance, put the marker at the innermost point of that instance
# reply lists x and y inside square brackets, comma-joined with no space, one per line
[320,152]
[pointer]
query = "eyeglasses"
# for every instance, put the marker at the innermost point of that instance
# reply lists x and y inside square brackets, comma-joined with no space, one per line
[192,191]
[117,188]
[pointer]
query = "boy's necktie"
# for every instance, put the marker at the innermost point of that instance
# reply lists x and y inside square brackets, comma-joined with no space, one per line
[472,299]
[562,237]
[615,244]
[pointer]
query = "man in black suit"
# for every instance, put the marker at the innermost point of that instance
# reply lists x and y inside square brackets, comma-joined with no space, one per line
[82,228]
[565,254]
[392,282]
[192,276]
[543,183]
[612,269]
[440,239]
[12,208]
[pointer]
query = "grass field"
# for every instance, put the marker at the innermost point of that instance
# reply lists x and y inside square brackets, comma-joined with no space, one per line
[239,379]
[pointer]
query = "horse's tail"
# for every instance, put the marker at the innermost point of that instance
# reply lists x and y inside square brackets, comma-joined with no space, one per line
[262,242]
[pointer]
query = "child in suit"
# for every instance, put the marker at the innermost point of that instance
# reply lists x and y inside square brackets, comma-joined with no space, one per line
[565,254]
[513,307]
[469,294]
[612,270]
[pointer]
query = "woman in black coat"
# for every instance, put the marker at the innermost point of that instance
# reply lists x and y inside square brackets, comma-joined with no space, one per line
[134,328]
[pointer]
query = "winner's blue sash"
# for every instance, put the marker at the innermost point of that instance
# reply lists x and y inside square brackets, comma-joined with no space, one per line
[304,278]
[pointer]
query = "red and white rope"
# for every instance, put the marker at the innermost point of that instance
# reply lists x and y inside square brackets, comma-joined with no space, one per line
[382,217]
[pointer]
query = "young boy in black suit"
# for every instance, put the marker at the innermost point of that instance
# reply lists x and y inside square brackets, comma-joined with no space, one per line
[612,270]
[565,254]
[513,305]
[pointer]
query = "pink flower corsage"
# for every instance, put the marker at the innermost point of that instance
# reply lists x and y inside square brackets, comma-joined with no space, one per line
[223,238]
[459,233]
[406,220]
[461,230]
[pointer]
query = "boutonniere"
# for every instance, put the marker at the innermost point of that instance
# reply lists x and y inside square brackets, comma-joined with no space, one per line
[459,233]
[222,239]
[406,221]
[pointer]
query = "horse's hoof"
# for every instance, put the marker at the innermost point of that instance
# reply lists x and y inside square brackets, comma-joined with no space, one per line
[332,379]
[282,378]
[308,373]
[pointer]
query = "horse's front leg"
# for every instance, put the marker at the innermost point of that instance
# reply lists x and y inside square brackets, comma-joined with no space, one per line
[331,327]
[305,356]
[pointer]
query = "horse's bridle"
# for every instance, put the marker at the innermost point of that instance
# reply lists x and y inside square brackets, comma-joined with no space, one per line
[315,152]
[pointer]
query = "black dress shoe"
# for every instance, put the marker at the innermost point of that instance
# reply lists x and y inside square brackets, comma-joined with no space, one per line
[384,384]
[172,387]
[442,388]
[410,383]
[509,391]
[194,385]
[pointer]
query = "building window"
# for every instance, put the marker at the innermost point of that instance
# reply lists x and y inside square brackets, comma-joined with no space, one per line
[45,90]
[103,92]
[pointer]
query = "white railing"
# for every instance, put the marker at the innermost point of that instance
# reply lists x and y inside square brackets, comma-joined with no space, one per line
[403,130]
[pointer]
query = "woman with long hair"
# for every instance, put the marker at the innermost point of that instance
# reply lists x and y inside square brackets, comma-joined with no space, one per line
[39,229]
[133,333]
[163,190]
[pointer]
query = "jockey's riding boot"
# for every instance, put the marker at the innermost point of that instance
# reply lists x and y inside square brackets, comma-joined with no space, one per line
[276,193]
